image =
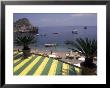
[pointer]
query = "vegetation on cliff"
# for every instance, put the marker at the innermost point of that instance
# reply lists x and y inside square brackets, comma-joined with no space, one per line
[24,25]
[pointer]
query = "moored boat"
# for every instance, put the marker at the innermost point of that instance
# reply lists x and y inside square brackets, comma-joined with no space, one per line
[75,32]
[49,45]
[85,27]
[55,33]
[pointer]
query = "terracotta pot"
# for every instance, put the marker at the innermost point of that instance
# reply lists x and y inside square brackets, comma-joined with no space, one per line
[26,53]
[87,70]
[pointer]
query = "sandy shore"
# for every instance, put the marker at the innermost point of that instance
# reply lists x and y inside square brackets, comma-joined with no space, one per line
[48,52]
[73,61]
[61,54]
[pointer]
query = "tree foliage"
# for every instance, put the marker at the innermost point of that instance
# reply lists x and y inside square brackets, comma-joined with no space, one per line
[25,40]
[86,46]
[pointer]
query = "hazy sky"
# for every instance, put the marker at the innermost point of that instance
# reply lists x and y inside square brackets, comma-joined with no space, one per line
[59,19]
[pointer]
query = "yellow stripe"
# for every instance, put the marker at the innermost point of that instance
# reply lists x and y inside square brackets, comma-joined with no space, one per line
[22,63]
[17,54]
[29,67]
[65,69]
[77,70]
[15,61]
[41,67]
[52,70]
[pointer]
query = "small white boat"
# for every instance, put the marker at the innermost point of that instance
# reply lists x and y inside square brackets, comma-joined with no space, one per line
[37,34]
[75,32]
[49,45]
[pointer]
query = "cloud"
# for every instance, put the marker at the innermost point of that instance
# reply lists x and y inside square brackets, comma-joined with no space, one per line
[82,14]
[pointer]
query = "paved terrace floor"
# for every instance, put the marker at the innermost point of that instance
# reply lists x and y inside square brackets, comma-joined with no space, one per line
[38,65]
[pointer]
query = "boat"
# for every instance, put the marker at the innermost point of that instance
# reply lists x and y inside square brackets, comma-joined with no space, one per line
[75,32]
[37,34]
[49,45]
[55,33]
[85,27]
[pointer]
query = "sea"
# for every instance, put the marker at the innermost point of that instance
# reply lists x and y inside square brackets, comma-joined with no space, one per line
[59,34]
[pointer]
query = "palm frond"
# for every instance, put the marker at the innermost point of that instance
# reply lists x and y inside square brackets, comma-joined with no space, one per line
[24,39]
[86,46]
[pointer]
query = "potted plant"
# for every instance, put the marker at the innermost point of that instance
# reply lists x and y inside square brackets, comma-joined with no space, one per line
[88,48]
[25,39]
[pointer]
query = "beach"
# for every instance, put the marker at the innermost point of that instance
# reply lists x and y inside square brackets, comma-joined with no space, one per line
[56,53]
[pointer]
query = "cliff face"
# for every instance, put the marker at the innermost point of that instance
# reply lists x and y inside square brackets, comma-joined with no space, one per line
[24,25]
